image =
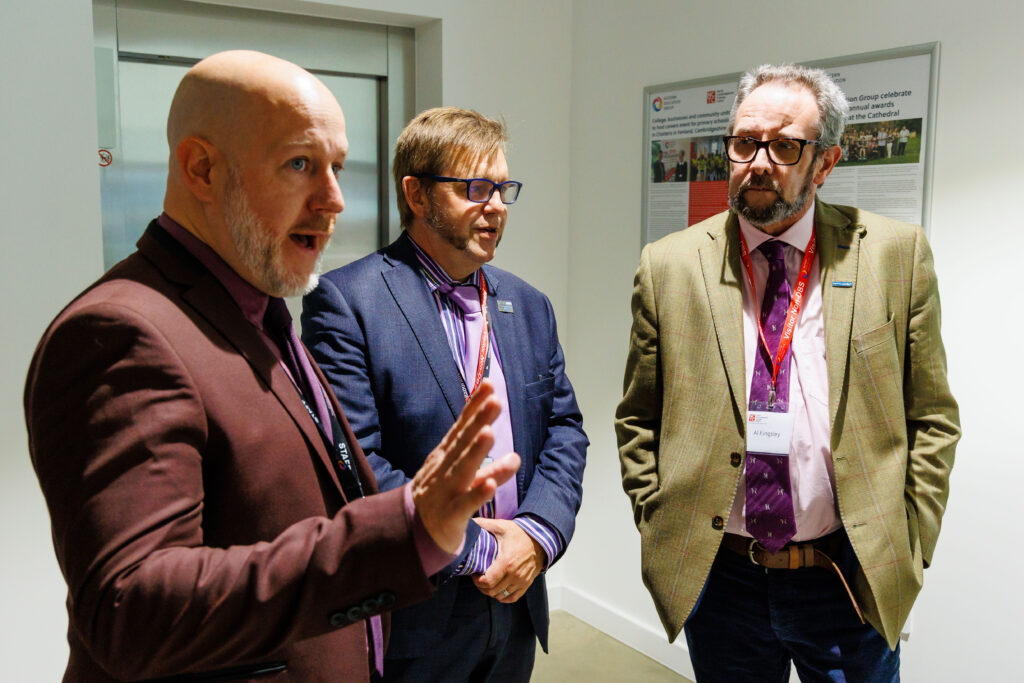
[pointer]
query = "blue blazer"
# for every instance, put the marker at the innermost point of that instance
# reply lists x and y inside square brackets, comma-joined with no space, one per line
[374,329]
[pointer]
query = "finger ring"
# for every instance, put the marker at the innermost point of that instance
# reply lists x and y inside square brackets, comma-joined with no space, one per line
[505,593]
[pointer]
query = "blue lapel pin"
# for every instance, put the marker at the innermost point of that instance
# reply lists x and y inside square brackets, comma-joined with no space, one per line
[842,283]
[505,306]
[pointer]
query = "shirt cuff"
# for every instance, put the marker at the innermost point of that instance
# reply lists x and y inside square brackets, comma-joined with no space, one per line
[545,534]
[480,556]
[432,558]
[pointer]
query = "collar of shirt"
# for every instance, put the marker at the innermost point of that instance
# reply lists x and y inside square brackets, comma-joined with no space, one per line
[252,301]
[796,235]
[435,275]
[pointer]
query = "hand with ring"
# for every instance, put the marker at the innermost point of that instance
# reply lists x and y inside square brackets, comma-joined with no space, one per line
[519,561]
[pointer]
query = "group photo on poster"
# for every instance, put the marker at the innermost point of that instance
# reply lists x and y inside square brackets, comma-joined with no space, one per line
[889,142]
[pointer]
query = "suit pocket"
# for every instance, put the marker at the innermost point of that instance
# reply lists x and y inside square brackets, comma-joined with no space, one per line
[872,338]
[539,388]
[914,541]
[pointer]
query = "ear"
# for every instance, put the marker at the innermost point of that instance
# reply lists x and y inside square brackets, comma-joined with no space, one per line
[415,196]
[196,159]
[829,158]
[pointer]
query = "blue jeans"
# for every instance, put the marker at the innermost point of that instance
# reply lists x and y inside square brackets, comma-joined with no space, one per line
[751,623]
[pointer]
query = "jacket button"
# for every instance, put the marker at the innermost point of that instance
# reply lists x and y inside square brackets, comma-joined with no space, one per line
[385,600]
[338,619]
[370,606]
[355,614]
[717,522]
[735,459]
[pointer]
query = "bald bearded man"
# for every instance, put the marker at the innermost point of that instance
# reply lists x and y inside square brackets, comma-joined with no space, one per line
[211,510]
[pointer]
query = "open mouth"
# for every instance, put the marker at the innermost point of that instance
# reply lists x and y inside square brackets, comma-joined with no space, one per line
[308,242]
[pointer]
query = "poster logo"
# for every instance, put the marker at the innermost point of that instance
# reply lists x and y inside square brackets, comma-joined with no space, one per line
[711,97]
[656,104]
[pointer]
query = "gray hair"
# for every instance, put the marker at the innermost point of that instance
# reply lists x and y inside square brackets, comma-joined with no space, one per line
[832,105]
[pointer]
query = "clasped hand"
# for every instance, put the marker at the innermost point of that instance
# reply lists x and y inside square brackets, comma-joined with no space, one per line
[519,561]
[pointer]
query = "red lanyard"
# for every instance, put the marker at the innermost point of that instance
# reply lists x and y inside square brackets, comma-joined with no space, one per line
[796,302]
[481,362]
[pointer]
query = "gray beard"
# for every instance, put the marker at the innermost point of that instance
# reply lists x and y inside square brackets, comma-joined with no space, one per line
[779,210]
[258,250]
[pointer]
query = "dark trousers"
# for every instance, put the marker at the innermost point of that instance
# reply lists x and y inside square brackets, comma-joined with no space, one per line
[485,641]
[751,623]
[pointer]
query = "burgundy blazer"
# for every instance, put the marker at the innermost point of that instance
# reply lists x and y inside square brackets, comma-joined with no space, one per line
[197,515]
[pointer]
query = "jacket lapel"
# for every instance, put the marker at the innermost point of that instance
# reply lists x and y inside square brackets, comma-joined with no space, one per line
[401,275]
[204,293]
[838,256]
[720,265]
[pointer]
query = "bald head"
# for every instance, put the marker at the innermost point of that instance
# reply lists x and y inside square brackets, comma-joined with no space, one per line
[224,96]
[256,145]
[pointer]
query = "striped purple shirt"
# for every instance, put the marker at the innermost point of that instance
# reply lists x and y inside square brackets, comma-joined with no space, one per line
[483,552]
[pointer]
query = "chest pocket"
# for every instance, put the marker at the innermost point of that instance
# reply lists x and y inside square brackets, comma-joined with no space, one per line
[541,387]
[864,343]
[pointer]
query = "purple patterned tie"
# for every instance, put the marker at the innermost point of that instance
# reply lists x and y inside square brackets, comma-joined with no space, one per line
[505,503]
[769,508]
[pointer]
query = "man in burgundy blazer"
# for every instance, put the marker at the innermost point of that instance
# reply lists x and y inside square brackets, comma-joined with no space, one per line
[206,523]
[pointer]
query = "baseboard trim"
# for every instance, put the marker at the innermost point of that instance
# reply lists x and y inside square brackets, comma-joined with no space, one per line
[623,628]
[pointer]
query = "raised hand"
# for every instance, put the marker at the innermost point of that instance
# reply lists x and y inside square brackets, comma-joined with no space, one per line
[450,486]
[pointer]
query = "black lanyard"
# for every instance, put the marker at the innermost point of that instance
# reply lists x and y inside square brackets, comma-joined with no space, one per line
[350,483]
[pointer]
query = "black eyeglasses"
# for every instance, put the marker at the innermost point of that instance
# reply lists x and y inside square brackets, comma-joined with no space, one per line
[480,190]
[782,151]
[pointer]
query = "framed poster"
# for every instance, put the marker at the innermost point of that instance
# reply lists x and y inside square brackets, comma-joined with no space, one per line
[887,144]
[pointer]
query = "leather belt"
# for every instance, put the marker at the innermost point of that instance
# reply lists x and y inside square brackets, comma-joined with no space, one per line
[794,556]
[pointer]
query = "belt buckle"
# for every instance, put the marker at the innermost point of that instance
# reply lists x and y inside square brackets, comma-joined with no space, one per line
[751,549]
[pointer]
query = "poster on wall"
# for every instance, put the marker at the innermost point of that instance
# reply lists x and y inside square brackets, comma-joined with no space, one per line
[886,161]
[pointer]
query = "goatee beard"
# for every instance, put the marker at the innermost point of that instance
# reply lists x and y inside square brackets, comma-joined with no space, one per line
[779,210]
[442,225]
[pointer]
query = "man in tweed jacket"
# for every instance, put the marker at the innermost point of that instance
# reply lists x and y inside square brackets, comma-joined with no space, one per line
[874,426]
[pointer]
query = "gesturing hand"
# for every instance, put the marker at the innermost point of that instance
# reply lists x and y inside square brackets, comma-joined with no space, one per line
[450,487]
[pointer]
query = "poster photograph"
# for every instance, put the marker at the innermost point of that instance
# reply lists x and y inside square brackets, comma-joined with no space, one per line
[885,160]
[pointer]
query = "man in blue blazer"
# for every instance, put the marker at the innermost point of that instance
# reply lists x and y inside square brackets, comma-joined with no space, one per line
[404,337]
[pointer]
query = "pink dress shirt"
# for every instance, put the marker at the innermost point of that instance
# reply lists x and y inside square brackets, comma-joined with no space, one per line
[810,454]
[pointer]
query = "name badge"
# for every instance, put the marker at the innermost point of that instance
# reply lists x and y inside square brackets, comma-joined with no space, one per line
[769,433]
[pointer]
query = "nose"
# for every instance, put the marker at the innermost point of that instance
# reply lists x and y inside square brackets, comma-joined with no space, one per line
[494,203]
[761,163]
[328,197]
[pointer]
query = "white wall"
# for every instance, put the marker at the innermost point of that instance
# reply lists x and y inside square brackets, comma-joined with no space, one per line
[966,622]
[572,98]
[49,191]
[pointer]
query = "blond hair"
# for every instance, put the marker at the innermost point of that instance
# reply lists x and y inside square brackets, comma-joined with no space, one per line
[439,141]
